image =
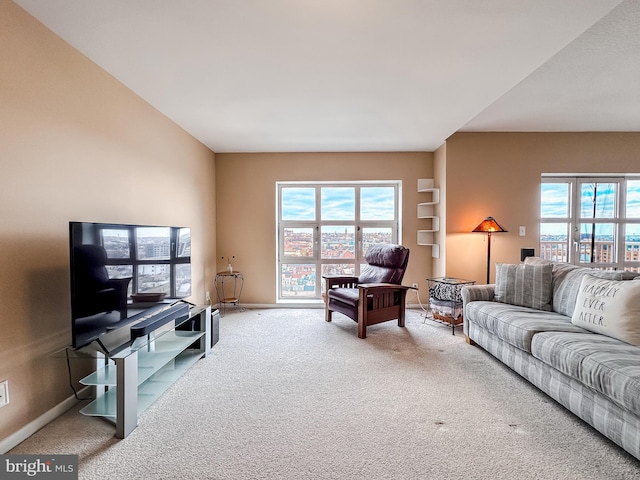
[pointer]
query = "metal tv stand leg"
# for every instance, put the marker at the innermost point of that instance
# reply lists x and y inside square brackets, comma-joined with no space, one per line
[127,395]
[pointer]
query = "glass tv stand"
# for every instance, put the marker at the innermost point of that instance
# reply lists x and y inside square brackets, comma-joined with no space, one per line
[129,381]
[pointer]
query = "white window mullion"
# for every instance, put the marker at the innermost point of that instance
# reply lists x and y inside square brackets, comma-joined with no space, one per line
[353,223]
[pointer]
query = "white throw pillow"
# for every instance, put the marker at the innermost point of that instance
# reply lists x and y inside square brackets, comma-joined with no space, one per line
[609,307]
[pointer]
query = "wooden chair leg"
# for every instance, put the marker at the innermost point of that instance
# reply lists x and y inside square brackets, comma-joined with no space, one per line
[362,320]
[362,330]
[469,341]
[327,313]
[401,314]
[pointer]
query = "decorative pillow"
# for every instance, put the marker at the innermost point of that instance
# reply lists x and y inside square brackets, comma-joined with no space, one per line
[536,261]
[609,307]
[525,285]
[566,284]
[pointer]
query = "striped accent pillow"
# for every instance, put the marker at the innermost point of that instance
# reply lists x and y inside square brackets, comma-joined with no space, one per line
[525,285]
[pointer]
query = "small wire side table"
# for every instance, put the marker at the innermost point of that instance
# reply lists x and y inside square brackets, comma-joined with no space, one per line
[446,292]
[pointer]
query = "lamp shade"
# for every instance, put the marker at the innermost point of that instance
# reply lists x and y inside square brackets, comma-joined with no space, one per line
[489,225]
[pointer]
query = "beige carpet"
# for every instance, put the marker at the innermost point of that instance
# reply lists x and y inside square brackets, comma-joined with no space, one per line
[286,395]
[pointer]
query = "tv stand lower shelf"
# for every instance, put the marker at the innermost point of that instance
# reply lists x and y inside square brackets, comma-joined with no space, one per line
[129,381]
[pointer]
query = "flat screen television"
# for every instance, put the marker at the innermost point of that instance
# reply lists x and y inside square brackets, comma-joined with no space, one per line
[120,271]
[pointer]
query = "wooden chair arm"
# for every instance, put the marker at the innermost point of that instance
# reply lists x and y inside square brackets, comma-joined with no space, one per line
[383,286]
[340,281]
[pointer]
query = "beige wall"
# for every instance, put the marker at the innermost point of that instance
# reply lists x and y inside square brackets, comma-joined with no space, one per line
[498,174]
[76,145]
[440,175]
[246,198]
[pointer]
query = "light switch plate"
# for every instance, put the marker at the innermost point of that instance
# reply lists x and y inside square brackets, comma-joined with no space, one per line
[523,230]
[4,393]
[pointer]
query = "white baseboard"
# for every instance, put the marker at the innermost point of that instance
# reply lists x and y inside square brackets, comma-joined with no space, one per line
[316,304]
[25,432]
[252,306]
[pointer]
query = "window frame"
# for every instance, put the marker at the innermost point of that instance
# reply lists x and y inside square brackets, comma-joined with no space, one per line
[575,220]
[173,261]
[316,226]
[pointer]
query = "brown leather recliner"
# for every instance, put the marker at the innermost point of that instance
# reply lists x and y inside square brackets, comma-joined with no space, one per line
[376,295]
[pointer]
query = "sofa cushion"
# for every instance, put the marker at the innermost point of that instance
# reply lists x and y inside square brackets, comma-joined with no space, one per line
[602,363]
[350,296]
[609,307]
[524,285]
[567,279]
[564,351]
[567,284]
[515,324]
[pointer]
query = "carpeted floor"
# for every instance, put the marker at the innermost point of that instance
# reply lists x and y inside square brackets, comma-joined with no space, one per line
[286,395]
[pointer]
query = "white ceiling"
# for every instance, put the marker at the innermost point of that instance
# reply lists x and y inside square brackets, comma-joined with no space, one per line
[364,75]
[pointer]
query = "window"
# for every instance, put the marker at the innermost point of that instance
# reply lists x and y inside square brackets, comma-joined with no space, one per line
[591,221]
[157,258]
[326,228]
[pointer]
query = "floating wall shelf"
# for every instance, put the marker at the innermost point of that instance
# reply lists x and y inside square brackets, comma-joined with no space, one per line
[426,212]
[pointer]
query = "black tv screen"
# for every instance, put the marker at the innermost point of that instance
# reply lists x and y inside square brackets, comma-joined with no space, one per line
[120,271]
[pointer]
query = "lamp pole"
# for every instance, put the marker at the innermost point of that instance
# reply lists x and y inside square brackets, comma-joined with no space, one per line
[488,257]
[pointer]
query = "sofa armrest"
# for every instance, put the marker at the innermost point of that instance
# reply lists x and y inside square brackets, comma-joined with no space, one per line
[475,293]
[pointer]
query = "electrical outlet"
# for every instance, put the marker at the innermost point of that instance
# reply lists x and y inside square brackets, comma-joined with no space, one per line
[4,393]
[414,285]
[207,296]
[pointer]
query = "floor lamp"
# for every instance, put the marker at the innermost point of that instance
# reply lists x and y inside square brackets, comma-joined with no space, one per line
[489,226]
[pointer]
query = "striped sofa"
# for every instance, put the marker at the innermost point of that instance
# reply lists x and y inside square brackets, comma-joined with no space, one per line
[596,377]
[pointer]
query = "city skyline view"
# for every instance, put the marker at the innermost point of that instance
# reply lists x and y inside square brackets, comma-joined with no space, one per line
[150,245]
